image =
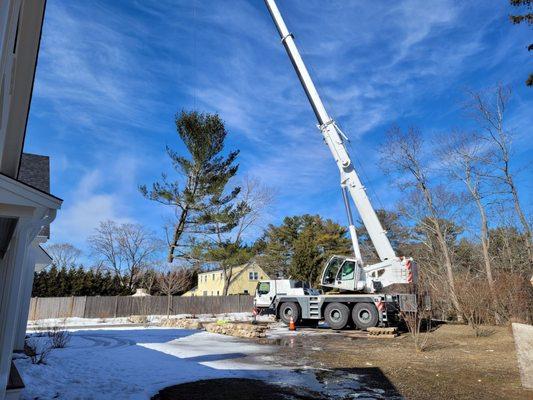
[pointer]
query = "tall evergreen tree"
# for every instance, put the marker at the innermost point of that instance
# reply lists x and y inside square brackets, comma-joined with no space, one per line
[199,192]
[301,245]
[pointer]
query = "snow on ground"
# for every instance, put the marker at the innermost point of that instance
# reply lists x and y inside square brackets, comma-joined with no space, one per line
[151,319]
[135,363]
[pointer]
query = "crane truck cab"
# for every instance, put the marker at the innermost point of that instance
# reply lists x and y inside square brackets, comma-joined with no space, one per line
[269,290]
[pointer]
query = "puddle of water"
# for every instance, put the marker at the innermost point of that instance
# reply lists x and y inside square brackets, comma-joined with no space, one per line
[290,341]
[338,384]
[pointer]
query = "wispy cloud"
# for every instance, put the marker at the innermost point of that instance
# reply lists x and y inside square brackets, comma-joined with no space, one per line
[90,203]
[111,75]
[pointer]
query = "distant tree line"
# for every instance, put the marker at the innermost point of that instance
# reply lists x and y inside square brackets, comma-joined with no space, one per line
[78,281]
[54,282]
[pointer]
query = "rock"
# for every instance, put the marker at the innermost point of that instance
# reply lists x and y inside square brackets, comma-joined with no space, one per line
[138,319]
[183,323]
[523,339]
[243,330]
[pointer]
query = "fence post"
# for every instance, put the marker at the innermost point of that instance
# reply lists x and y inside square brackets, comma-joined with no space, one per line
[116,307]
[34,311]
[85,308]
[70,307]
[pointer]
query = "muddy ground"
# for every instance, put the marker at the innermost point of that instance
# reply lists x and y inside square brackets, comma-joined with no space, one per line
[350,365]
[456,364]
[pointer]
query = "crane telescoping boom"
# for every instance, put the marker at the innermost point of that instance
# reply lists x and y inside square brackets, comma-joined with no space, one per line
[335,140]
[342,272]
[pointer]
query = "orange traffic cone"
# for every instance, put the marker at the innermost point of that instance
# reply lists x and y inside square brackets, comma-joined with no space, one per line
[292,325]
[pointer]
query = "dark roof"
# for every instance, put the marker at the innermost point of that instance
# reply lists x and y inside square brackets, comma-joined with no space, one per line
[35,171]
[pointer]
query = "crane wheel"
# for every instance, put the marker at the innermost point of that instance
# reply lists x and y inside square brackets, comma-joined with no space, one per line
[365,315]
[337,315]
[288,310]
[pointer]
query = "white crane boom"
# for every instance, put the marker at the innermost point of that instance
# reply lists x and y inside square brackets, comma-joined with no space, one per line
[335,140]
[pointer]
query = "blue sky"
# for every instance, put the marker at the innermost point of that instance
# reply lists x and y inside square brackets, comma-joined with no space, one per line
[112,74]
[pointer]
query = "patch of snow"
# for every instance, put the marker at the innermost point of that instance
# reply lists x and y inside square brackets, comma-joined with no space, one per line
[151,319]
[136,363]
[110,360]
[216,351]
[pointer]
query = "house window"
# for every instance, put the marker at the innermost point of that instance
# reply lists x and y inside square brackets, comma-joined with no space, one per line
[246,292]
[205,292]
[217,292]
[253,276]
[213,276]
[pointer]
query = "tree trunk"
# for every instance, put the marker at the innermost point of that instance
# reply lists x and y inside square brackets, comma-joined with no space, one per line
[227,279]
[486,256]
[449,269]
[521,216]
[444,248]
[178,230]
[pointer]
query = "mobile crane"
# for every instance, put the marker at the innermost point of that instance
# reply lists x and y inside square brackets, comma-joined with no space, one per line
[361,289]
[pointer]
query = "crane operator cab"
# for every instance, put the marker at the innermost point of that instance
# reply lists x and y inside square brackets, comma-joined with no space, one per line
[342,273]
[346,274]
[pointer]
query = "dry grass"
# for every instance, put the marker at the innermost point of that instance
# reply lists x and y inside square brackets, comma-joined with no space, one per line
[455,364]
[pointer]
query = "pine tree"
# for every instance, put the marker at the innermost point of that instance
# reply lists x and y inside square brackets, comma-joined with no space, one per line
[51,288]
[39,284]
[88,284]
[300,247]
[64,282]
[77,281]
[204,173]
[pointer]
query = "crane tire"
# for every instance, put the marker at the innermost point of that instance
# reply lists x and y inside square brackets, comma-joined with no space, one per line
[288,310]
[337,315]
[365,315]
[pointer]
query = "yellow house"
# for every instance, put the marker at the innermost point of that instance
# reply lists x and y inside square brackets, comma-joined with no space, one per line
[243,281]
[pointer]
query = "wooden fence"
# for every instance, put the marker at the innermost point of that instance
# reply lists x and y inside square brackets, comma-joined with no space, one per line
[125,306]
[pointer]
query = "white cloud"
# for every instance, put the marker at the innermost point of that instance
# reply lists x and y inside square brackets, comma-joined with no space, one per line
[85,207]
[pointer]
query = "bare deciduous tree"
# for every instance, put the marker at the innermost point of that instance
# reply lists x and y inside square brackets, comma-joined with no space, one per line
[64,255]
[466,162]
[402,155]
[489,111]
[474,296]
[225,231]
[125,249]
[418,321]
[172,280]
